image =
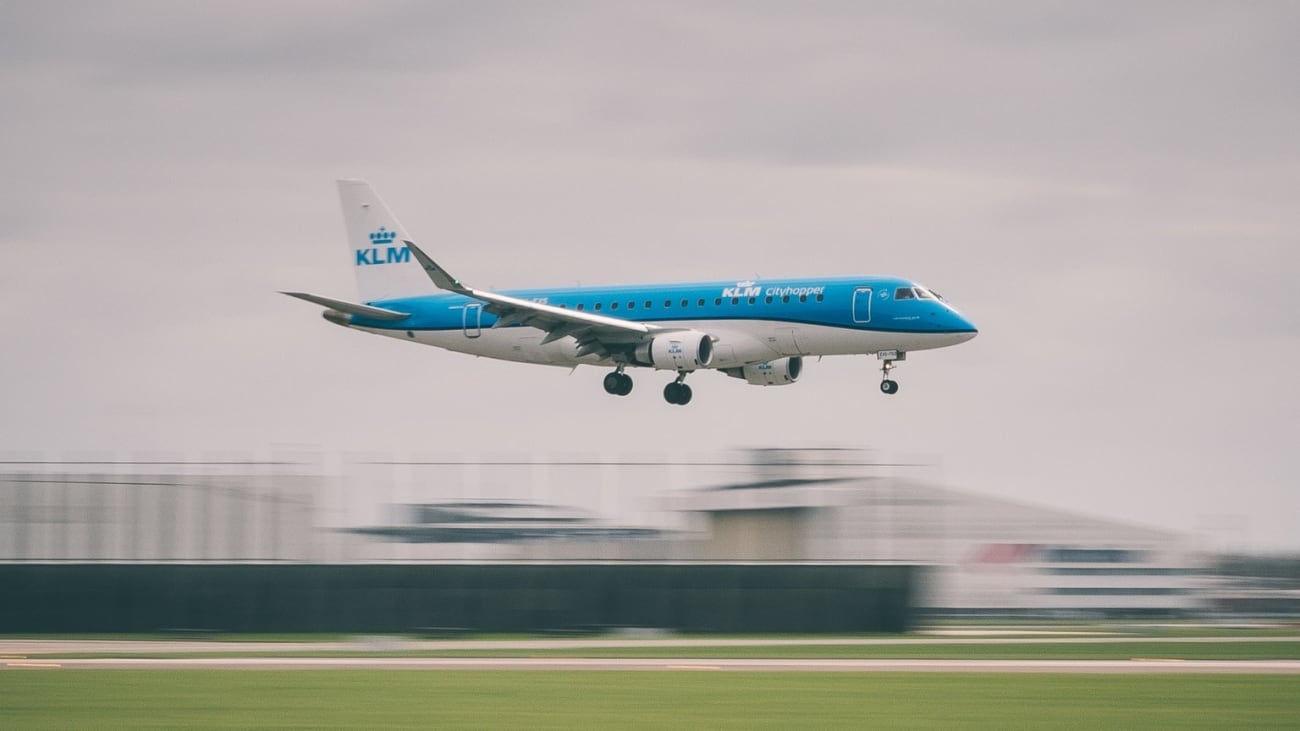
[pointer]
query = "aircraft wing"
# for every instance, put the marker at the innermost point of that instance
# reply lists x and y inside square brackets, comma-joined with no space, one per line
[594,333]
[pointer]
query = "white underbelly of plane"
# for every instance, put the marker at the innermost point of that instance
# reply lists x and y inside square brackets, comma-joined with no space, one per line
[738,343]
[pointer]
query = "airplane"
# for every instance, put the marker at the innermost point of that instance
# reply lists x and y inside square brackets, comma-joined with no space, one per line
[758,331]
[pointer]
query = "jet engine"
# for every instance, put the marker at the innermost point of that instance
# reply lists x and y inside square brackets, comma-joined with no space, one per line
[779,372]
[676,351]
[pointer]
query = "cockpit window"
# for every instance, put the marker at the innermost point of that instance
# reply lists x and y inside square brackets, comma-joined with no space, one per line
[907,293]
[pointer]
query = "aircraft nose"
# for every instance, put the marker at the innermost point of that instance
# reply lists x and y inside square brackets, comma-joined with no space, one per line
[964,327]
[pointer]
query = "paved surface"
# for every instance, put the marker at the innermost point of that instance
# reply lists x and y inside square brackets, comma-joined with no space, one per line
[20,654]
[683,664]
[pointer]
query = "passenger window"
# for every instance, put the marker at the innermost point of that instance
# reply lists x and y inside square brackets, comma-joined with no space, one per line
[563,306]
[903,293]
[752,300]
[819,298]
[647,304]
[717,300]
[579,308]
[597,307]
[735,300]
[768,300]
[785,298]
[700,303]
[613,305]
[685,302]
[803,298]
[668,303]
[631,304]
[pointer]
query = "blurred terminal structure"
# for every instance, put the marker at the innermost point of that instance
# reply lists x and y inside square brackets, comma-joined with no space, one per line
[771,539]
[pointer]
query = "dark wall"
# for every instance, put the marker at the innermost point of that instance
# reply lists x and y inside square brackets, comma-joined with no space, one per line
[437,597]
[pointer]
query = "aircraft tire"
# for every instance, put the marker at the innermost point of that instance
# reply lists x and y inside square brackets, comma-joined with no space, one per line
[624,384]
[889,387]
[614,383]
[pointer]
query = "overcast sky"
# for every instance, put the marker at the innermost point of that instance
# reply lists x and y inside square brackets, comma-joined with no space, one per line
[1110,191]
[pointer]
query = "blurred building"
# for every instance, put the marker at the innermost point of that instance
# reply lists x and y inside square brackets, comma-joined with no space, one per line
[498,521]
[214,513]
[985,555]
[808,507]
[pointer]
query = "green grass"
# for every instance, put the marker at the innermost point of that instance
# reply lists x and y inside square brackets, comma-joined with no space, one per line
[109,699]
[1243,650]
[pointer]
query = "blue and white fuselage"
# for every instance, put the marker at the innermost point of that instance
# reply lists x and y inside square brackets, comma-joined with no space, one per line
[750,322]
[758,330]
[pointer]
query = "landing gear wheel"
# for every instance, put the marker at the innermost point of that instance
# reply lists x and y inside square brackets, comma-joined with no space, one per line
[677,393]
[614,382]
[887,358]
[618,383]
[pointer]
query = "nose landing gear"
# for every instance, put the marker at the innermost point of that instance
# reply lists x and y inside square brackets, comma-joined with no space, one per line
[618,383]
[887,384]
[678,392]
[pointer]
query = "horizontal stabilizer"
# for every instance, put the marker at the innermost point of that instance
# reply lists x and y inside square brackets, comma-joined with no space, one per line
[351,308]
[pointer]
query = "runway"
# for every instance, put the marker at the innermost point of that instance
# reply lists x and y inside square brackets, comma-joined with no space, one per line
[48,653]
[1136,666]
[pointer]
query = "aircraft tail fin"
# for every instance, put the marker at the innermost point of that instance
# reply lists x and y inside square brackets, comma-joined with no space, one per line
[383,264]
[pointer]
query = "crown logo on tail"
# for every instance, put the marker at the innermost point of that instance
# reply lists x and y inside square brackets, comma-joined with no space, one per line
[382,236]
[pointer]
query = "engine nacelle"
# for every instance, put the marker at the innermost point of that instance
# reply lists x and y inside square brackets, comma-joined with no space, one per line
[779,372]
[677,351]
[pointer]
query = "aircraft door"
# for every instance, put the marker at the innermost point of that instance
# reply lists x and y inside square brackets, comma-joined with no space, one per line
[472,320]
[862,305]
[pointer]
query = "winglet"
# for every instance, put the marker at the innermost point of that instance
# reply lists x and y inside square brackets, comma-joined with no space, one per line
[437,274]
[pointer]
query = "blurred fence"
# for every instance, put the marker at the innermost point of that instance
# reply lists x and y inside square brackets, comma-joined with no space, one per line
[442,598]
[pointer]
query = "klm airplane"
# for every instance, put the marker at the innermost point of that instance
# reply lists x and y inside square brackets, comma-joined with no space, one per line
[759,331]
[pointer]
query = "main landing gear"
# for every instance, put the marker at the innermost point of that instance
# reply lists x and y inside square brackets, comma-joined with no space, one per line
[678,392]
[887,384]
[618,383]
